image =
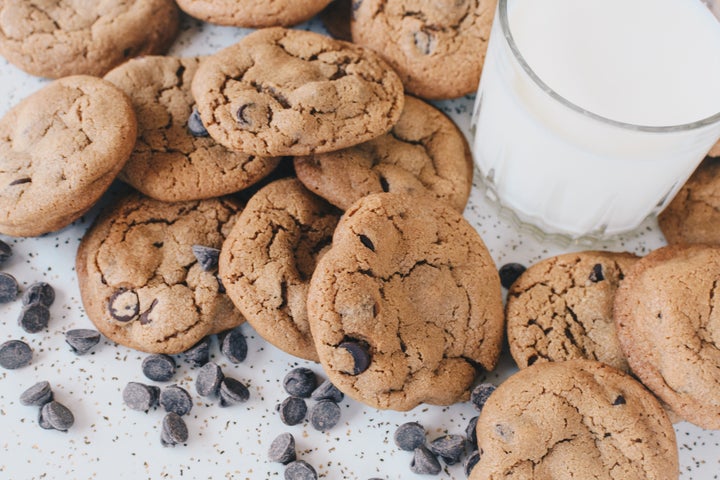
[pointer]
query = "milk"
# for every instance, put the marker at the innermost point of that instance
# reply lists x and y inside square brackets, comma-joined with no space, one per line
[647,67]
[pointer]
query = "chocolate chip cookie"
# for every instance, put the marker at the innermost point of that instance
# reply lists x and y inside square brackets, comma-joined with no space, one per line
[56,38]
[574,419]
[666,314]
[437,48]
[561,308]
[140,280]
[60,149]
[269,257]
[174,157]
[253,13]
[405,303]
[292,92]
[424,152]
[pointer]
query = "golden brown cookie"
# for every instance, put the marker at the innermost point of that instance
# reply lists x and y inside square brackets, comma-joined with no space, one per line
[561,309]
[666,310]
[405,304]
[424,152]
[292,92]
[269,257]
[574,419]
[437,48]
[60,149]
[253,13]
[174,158]
[140,281]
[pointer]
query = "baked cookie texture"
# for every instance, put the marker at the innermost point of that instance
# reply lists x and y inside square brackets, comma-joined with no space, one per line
[269,257]
[57,38]
[693,215]
[253,13]
[666,312]
[60,149]
[140,282]
[172,160]
[405,303]
[292,92]
[437,48]
[561,308]
[574,419]
[424,152]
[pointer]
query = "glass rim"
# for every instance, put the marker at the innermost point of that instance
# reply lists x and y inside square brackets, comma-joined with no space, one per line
[507,34]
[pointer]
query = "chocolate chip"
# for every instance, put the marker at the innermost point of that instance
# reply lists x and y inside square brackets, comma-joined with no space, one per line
[233,392]
[20,181]
[324,415]
[195,124]
[15,354]
[360,354]
[384,184]
[300,470]
[199,354]
[367,242]
[34,318]
[42,421]
[174,430]
[221,287]
[619,400]
[292,410]
[39,292]
[5,252]
[144,317]
[597,274]
[282,449]
[82,340]
[208,379]
[471,431]
[471,461]
[140,397]
[480,394]
[234,346]
[207,257]
[8,287]
[300,382]
[58,416]
[509,273]
[409,436]
[425,41]
[176,399]
[124,305]
[159,367]
[37,395]
[424,462]
[448,447]
[327,391]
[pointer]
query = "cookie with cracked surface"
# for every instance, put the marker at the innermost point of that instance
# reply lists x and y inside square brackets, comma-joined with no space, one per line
[437,48]
[405,303]
[576,418]
[561,309]
[424,152]
[140,281]
[174,158]
[57,38]
[269,257]
[693,216]
[60,149]
[253,13]
[667,322]
[292,92]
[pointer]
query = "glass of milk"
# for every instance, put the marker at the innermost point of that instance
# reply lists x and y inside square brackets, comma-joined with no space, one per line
[591,114]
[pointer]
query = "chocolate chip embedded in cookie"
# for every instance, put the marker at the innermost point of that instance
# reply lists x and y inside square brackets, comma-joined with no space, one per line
[60,149]
[57,38]
[666,314]
[574,419]
[437,48]
[174,158]
[292,92]
[253,13]
[336,19]
[140,281]
[405,303]
[561,308]
[424,152]
[268,259]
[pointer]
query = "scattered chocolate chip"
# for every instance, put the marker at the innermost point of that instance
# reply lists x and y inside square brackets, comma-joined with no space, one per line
[176,399]
[300,470]
[199,354]
[37,395]
[282,449]
[15,354]
[124,305]
[82,340]
[409,436]
[5,252]
[300,382]
[233,392]
[327,391]
[195,124]
[208,379]
[207,257]
[58,416]
[159,367]
[424,462]
[174,430]
[480,394]
[34,318]
[42,421]
[234,346]
[324,415]
[509,273]
[471,431]
[140,397]
[448,447]
[39,292]
[292,410]
[360,354]
[471,461]
[619,400]
[597,274]
[367,242]
[8,287]
[505,432]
